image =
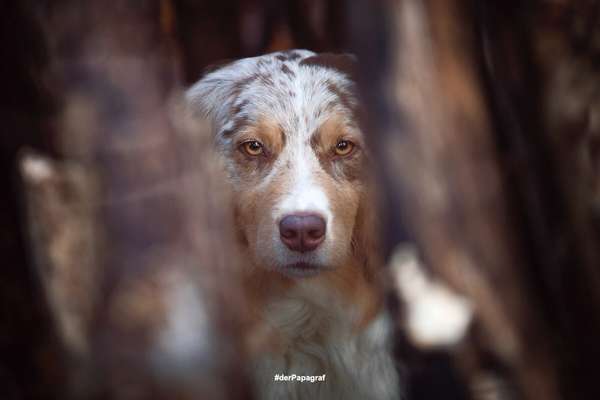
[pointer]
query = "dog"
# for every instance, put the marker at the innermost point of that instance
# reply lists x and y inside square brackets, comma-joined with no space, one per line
[287,127]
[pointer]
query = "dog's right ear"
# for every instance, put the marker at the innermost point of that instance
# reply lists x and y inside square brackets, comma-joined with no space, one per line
[212,95]
[216,96]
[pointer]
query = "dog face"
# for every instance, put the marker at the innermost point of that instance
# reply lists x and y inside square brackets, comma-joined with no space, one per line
[287,128]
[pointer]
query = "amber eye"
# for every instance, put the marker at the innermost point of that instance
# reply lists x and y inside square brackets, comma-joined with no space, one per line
[253,147]
[344,147]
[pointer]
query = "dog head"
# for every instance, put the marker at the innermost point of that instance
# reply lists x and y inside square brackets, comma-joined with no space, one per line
[286,125]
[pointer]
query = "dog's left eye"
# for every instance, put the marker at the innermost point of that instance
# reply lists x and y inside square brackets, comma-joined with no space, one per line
[344,147]
[253,147]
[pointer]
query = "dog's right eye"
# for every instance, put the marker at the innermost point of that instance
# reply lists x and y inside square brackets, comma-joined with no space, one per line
[252,148]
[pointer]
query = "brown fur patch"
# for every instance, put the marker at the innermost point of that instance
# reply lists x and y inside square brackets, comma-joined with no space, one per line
[270,134]
[360,292]
[323,142]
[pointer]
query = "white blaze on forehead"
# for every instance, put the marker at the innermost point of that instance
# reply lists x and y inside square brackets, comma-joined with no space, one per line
[304,193]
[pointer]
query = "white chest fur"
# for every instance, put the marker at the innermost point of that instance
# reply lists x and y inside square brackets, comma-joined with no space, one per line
[319,339]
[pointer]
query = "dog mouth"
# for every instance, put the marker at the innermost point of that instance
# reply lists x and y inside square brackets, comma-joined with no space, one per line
[300,270]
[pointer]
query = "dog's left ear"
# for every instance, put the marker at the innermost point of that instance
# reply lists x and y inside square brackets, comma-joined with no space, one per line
[345,63]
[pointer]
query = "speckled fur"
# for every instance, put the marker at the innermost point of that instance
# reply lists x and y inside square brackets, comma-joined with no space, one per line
[298,104]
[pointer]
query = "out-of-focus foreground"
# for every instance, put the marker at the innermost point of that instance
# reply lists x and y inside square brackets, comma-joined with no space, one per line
[118,275]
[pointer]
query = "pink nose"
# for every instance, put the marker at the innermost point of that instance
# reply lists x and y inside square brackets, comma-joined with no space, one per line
[302,232]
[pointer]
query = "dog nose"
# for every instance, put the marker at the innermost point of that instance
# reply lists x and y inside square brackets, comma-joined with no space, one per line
[302,232]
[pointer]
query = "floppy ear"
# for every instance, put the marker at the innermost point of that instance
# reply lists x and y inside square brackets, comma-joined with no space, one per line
[345,63]
[212,95]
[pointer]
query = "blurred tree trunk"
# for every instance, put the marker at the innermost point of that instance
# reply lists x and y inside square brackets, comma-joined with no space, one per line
[466,149]
[133,226]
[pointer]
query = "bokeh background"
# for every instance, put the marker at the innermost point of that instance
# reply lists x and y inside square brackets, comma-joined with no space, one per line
[485,120]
